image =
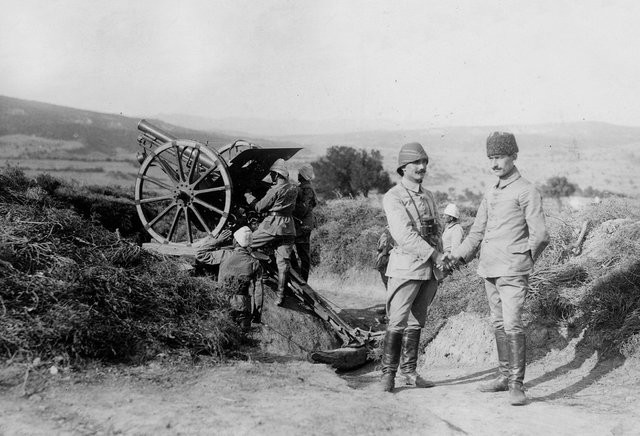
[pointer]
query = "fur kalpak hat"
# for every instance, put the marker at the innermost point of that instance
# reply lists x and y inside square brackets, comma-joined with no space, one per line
[501,143]
[410,152]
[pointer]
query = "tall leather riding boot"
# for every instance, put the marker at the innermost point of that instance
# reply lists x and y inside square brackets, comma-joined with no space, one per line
[517,364]
[501,382]
[410,345]
[390,359]
[283,276]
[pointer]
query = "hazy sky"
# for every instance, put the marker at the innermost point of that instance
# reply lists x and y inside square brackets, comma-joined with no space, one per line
[417,62]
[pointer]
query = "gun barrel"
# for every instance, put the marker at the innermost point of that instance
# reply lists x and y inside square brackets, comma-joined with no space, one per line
[160,135]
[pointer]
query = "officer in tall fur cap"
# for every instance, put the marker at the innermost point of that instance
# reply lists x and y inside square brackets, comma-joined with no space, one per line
[412,269]
[510,226]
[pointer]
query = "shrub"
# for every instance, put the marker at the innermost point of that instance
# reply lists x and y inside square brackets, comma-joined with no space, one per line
[70,287]
[347,234]
[613,307]
[558,186]
[347,171]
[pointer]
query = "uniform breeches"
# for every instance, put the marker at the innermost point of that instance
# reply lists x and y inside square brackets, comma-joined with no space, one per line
[303,251]
[283,247]
[408,301]
[506,297]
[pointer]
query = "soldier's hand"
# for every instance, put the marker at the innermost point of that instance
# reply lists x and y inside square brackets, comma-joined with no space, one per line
[437,259]
[450,261]
[249,197]
[223,236]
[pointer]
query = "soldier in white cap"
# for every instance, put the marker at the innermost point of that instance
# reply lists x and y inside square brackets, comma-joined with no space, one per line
[277,228]
[412,217]
[452,234]
[243,273]
[511,229]
[303,218]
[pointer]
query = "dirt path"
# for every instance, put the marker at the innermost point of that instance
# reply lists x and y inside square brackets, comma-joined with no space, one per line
[296,397]
[285,396]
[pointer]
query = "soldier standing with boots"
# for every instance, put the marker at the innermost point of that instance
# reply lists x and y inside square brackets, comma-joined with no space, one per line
[511,231]
[303,217]
[277,228]
[412,219]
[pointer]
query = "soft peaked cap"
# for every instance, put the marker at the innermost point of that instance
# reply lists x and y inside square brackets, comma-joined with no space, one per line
[501,143]
[410,152]
[243,236]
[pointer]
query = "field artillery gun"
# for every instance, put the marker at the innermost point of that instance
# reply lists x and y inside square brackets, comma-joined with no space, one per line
[186,191]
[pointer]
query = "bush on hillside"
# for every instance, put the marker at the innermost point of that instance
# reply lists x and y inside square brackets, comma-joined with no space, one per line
[558,186]
[347,171]
[347,234]
[612,307]
[69,287]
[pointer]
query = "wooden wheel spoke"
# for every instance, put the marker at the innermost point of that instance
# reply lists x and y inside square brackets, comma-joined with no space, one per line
[168,170]
[154,199]
[179,154]
[157,182]
[197,214]
[204,191]
[189,230]
[210,207]
[182,189]
[174,223]
[194,164]
[205,174]
[161,214]
[166,167]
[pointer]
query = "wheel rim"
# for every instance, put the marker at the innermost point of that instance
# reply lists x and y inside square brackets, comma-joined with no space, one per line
[229,151]
[183,192]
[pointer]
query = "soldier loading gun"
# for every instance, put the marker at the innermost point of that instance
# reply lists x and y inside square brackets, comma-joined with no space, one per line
[277,228]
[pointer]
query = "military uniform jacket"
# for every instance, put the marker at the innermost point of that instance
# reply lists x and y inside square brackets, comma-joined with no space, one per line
[509,229]
[303,211]
[240,266]
[279,202]
[404,205]
[452,236]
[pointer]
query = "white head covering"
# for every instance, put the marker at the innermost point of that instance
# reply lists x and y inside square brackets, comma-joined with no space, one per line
[306,171]
[243,236]
[452,210]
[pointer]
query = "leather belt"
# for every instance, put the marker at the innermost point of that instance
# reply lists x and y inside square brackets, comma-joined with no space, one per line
[279,214]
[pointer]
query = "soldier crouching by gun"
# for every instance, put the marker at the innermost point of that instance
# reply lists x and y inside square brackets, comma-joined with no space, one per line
[278,227]
[243,273]
[412,269]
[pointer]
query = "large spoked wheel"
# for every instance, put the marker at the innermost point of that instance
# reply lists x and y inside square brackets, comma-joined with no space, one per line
[183,192]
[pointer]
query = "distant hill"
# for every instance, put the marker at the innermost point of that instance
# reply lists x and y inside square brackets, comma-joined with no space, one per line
[603,156]
[88,134]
